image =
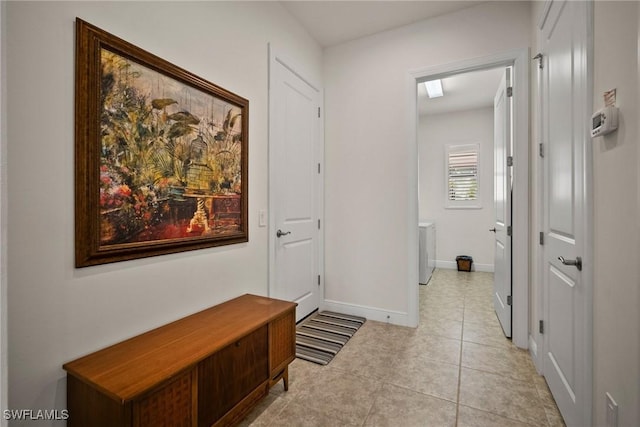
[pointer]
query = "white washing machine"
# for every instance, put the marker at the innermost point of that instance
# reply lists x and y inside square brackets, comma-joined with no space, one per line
[427,251]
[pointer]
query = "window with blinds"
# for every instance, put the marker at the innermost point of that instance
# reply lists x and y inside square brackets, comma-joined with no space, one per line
[462,165]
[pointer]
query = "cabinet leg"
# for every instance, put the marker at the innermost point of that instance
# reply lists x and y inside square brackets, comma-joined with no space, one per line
[285,378]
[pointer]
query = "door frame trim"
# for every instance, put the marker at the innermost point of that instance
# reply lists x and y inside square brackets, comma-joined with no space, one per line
[277,56]
[519,59]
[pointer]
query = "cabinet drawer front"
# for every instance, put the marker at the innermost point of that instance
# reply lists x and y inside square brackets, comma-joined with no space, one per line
[229,375]
[171,405]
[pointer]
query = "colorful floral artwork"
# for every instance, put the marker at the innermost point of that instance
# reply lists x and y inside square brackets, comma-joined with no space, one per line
[171,161]
[165,145]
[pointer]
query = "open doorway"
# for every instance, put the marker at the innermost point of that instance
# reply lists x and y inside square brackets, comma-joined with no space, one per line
[456,166]
[464,139]
[519,60]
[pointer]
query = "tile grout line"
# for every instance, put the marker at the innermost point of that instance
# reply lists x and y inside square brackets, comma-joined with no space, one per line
[460,359]
[373,404]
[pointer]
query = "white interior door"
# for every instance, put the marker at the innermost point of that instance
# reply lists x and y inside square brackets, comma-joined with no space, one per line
[502,199]
[565,110]
[294,188]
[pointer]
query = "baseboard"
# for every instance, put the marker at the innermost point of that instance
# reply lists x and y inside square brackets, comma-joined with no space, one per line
[370,313]
[452,265]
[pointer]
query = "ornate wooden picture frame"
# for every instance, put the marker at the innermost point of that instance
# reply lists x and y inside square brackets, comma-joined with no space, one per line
[161,155]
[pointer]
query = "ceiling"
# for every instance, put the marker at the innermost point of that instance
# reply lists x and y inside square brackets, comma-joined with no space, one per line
[475,89]
[334,22]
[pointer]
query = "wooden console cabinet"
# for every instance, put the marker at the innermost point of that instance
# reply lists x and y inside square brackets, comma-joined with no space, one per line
[206,369]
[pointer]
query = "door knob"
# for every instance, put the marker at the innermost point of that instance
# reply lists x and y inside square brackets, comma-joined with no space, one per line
[280,233]
[575,262]
[493,229]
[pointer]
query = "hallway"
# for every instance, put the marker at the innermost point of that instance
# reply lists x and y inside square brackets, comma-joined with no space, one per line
[455,369]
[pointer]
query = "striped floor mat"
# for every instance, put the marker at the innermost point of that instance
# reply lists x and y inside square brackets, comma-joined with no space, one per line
[322,335]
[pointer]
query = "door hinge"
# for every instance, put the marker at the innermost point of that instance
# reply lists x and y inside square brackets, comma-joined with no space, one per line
[508,299]
[318,167]
[509,92]
[542,237]
[541,327]
[318,280]
[541,150]
[539,58]
[318,224]
[509,230]
[510,161]
[318,112]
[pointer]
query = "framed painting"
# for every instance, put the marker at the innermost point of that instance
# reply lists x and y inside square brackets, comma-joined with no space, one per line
[161,155]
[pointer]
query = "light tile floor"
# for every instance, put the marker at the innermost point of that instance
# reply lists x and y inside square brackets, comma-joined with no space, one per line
[455,369]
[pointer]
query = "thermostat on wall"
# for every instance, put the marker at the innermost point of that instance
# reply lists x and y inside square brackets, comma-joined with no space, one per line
[604,121]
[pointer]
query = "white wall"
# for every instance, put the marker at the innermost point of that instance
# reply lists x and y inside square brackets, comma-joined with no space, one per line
[459,231]
[57,313]
[616,308]
[4,383]
[368,156]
